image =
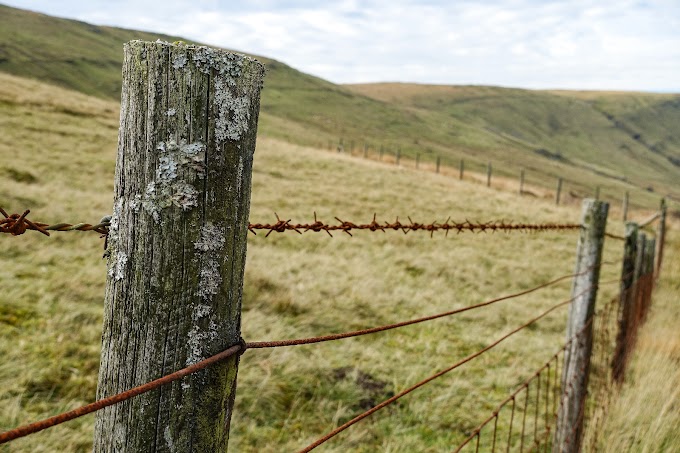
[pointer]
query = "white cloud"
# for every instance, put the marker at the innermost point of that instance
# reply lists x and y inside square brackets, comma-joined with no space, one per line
[623,44]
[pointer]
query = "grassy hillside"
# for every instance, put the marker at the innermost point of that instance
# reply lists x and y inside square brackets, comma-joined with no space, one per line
[619,141]
[57,158]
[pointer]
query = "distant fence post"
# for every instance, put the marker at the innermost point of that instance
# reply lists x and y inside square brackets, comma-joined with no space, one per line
[576,367]
[177,245]
[462,169]
[341,146]
[650,262]
[382,151]
[365,150]
[626,303]
[397,157]
[417,161]
[488,174]
[638,276]
[625,206]
[439,161]
[521,181]
[558,192]
[660,238]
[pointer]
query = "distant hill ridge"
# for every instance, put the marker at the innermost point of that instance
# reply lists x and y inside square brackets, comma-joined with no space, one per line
[620,141]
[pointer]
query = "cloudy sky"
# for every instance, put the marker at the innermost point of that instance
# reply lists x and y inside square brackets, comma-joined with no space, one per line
[578,44]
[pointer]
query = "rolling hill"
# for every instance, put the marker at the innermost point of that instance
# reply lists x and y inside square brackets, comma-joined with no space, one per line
[618,141]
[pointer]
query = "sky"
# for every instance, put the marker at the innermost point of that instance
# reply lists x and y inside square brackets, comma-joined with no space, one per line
[578,44]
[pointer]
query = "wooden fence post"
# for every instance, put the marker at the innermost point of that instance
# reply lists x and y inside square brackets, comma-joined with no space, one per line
[638,277]
[439,161]
[382,151]
[462,169]
[488,174]
[660,238]
[650,262]
[576,368]
[521,181]
[417,160]
[625,206]
[365,150]
[558,192]
[398,157]
[177,245]
[626,303]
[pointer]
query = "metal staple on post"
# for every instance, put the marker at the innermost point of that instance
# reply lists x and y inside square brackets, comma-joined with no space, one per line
[569,427]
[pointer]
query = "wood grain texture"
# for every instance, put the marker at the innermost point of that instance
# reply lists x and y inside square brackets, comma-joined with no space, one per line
[577,355]
[177,244]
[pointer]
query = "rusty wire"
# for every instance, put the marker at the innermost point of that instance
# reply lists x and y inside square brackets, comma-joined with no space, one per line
[17,224]
[281,226]
[100,404]
[32,428]
[524,386]
[394,398]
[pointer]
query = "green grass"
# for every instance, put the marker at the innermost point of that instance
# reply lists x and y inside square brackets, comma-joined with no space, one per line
[57,153]
[618,141]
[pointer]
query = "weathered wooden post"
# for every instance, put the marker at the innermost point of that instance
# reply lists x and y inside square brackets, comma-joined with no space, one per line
[397,157]
[439,161]
[650,262]
[177,245]
[638,277]
[462,169]
[576,367]
[558,191]
[417,160]
[660,238]
[625,206]
[626,310]
[521,181]
[488,174]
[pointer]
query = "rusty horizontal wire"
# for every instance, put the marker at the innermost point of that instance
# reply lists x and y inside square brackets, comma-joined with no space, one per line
[32,428]
[281,226]
[16,224]
[429,379]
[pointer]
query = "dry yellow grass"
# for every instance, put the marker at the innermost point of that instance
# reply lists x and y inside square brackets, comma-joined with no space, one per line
[296,285]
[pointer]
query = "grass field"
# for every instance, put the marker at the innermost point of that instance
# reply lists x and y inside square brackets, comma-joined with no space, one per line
[58,151]
[618,141]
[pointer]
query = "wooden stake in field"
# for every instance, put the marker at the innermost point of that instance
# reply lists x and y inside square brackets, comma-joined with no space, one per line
[462,169]
[558,191]
[661,238]
[488,174]
[576,367]
[177,244]
[397,157]
[626,321]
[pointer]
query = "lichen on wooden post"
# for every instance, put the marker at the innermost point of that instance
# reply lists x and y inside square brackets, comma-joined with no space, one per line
[177,244]
[576,367]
